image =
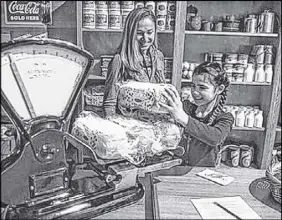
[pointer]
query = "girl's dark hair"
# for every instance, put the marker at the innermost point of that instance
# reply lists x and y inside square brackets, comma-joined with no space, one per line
[220,78]
[129,47]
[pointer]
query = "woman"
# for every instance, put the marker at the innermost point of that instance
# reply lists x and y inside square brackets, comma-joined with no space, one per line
[205,124]
[137,57]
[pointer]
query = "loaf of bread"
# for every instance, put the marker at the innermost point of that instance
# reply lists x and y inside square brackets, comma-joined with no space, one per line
[142,96]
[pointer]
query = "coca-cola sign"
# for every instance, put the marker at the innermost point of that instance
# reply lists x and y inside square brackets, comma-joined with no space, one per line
[27,12]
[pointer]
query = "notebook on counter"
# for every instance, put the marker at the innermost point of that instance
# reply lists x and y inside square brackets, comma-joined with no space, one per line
[224,208]
[216,177]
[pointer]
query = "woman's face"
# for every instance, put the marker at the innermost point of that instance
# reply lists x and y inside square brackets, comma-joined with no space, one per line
[203,91]
[145,33]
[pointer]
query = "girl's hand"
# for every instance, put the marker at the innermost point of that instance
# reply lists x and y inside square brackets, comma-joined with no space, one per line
[175,106]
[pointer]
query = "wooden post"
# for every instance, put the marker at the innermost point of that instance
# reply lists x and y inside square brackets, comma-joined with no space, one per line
[151,198]
[79,37]
[274,109]
[178,43]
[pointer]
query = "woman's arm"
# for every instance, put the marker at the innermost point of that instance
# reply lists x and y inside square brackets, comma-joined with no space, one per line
[110,94]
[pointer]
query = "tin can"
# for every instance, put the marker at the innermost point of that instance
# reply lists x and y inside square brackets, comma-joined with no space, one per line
[105,60]
[231,58]
[171,8]
[88,20]
[128,5]
[260,23]
[251,24]
[218,26]
[170,22]
[101,5]
[151,5]
[161,19]
[104,71]
[243,58]
[101,19]
[246,155]
[124,13]
[257,54]
[114,19]
[139,4]
[268,59]
[233,155]
[161,8]
[114,5]
[268,21]
[89,4]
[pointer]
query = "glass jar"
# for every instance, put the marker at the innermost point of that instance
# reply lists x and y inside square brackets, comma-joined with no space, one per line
[249,119]
[260,74]
[240,118]
[249,73]
[258,120]
[268,70]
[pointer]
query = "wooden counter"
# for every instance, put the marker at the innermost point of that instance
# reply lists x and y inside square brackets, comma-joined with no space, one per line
[175,192]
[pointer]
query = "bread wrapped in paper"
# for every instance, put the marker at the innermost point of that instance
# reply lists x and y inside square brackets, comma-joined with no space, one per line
[122,137]
[143,96]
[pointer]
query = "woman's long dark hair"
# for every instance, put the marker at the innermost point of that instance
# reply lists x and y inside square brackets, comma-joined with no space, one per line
[220,78]
[131,56]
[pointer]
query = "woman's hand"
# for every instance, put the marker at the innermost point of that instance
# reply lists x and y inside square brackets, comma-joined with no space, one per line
[175,106]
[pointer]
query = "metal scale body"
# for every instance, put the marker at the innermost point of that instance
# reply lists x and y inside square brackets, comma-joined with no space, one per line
[51,174]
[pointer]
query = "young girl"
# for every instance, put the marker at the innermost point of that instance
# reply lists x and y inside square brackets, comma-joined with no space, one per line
[137,57]
[205,124]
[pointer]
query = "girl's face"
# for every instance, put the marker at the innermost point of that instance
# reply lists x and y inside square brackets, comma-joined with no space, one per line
[145,33]
[203,91]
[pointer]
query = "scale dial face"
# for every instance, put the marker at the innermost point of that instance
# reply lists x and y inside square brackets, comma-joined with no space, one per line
[40,79]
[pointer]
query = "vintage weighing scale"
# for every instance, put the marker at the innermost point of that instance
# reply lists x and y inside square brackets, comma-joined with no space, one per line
[51,174]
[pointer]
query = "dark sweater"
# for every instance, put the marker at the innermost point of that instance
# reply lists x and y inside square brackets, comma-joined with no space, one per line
[118,73]
[201,139]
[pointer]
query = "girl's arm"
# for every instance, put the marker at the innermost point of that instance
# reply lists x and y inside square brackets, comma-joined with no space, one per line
[212,135]
[110,94]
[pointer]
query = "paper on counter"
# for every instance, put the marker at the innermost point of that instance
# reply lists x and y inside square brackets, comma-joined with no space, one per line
[208,210]
[216,177]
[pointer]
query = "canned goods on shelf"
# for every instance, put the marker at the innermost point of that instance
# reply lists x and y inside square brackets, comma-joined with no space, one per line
[139,4]
[88,18]
[88,4]
[161,19]
[129,5]
[114,19]
[243,58]
[231,58]
[258,53]
[102,17]
[170,22]
[104,71]
[233,155]
[161,8]
[171,8]
[268,59]
[151,5]
[246,155]
[114,5]
[101,5]
[105,60]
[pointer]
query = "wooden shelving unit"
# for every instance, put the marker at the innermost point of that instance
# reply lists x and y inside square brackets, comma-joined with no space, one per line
[187,43]
[222,33]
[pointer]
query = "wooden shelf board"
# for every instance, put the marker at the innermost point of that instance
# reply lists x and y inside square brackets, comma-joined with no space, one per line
[247,129]
[244,34]
[237,83]
[96,77]
[120,30]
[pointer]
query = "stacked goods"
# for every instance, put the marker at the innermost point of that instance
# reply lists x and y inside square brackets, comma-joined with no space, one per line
[94,95]
[112,14]
[105,61]
[119,137]
[168,64]
[88,12]
[101,15]
[126,8]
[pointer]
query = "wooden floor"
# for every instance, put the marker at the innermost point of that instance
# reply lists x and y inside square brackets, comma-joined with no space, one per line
[175,192]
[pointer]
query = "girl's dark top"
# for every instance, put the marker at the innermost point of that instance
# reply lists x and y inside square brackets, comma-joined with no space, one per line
[201,138]
[152,71]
